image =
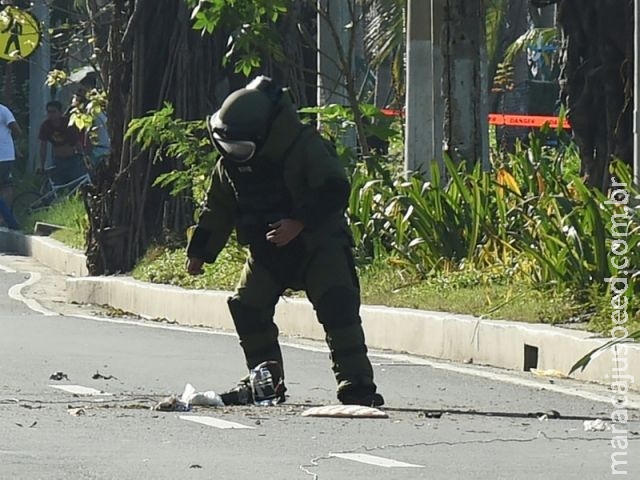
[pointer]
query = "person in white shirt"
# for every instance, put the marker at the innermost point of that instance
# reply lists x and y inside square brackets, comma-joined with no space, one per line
[9,128]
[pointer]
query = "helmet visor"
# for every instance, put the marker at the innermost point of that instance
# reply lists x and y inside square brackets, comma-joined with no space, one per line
[236,150]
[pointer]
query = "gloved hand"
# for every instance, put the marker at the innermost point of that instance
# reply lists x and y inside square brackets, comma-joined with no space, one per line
[284,231]
[194,266]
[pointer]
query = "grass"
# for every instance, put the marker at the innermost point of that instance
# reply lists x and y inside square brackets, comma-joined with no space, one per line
[68,213]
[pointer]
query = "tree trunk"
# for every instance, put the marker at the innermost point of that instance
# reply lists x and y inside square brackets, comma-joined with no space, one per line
[465,92]
[154,57]
[597,81]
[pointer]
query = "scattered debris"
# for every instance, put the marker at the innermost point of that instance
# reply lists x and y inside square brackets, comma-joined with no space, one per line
[204,399]
[99,376]
[30,426]
[468,361]
[344,411]
[546,415]
[171,404]
[548,373]
[597,425]
[58,376]
[432,414]
[195,465]
[76,412]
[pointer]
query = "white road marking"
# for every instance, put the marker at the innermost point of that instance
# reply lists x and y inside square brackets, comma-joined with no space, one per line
[80,390]
[6,269]
[373,460]
[16,452]
[214,422]
[15,292]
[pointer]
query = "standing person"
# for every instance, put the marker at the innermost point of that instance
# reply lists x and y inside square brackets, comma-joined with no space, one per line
[66,144]
[285,193]
[9,129]
[96,142]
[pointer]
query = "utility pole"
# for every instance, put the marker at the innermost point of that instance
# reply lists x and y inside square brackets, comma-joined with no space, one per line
[39,66]
[636,95]
[419,138]
[437,33]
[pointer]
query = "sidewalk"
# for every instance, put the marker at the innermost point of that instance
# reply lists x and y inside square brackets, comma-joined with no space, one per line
[461,338]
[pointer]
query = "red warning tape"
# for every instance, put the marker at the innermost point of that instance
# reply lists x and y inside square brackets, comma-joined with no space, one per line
[529,121]
[526,120]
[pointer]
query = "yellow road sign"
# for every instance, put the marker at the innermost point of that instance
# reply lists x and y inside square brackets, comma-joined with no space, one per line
[19,34]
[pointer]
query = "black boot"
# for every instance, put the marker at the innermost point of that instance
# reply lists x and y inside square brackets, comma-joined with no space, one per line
[248,392]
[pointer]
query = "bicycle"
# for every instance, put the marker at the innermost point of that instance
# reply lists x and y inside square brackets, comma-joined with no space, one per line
[29,202]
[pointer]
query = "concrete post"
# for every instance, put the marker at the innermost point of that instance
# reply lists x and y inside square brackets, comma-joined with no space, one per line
[419,148]
[437,33]
[39,66]
[636,96]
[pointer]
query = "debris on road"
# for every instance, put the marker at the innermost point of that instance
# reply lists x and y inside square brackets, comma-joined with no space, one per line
[202,399]
[597,425]
[76,412]
[99,376]
[548,373]
[58,376]
[171,404]
[344,411]
[432,414]
[30,426]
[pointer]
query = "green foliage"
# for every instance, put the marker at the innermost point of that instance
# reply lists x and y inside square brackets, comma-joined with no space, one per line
[338,121]
[186,141]
[68,213]
[161,265]
[524,216]
[534,36]
[250,23]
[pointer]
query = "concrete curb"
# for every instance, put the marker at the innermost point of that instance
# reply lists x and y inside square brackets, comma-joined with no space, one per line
[504,344]
[47,251]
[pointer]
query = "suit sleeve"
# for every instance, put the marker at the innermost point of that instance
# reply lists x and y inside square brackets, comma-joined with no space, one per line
[216,220]
[328,186]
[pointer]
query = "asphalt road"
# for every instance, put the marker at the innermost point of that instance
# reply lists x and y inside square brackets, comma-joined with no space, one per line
[489,429]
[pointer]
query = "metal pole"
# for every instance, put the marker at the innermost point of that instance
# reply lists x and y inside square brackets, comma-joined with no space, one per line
[437,24]
[419,148]
[39,66]
[636,95]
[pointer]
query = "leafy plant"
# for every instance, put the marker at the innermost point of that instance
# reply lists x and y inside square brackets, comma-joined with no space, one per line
[251,25]
[187,141]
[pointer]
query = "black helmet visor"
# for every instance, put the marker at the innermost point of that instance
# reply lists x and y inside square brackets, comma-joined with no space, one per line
[237,150]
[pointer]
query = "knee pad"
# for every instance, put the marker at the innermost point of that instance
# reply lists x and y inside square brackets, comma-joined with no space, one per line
[338,307]
[248,319]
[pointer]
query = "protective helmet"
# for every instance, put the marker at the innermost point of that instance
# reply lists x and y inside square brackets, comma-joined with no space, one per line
[241,126]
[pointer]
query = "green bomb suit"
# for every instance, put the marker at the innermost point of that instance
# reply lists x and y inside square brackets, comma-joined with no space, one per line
[293,175]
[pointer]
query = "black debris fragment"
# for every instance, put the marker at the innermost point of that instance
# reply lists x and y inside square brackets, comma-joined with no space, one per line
[99,376]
